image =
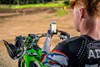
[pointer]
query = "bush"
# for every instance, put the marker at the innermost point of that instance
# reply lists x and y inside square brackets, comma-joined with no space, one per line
[66,2]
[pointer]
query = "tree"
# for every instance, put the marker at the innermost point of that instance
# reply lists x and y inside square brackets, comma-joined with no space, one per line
[43,1]
[53,0]
[18,2]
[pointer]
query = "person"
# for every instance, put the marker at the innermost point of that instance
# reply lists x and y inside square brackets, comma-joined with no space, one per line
[83,50]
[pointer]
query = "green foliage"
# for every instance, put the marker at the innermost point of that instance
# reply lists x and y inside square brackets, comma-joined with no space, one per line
[36,5]
[20,2]
[66,2]
[60,12]
[5,7]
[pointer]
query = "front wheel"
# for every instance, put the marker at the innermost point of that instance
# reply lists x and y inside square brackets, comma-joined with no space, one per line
[21,62]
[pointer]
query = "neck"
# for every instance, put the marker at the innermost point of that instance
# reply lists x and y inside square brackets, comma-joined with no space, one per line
[94,30]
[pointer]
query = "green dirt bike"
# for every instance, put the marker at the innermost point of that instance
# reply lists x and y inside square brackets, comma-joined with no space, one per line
[32,52]
[26,50]
[29,54]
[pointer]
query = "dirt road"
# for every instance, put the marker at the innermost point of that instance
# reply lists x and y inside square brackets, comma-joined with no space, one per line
[37,22]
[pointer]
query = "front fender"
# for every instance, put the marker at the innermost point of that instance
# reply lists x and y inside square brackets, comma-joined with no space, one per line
[35,58]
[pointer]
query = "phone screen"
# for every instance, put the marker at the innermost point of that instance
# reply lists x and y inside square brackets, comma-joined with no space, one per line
[53,27]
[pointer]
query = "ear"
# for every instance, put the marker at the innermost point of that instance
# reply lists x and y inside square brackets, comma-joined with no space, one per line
[82,12]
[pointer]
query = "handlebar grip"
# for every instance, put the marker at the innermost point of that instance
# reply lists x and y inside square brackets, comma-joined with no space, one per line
[64,34]
[32,35]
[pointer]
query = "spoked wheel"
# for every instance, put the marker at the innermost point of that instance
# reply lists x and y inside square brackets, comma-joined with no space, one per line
[21,63]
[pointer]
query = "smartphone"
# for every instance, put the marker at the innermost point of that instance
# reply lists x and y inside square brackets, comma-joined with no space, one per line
[53,27]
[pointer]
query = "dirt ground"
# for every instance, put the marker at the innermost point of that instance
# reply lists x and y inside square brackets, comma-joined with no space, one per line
[35,22]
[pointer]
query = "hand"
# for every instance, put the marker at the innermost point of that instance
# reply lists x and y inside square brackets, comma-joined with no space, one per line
[64,35]
[52,29]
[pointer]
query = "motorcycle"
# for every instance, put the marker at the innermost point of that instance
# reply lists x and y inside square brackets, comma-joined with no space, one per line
[26,50]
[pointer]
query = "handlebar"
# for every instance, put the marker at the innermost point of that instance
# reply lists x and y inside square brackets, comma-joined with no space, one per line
[36,37]
[41,35]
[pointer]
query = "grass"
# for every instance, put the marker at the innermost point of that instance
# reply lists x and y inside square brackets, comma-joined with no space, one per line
[61,12]
[5,7]
[32,6]
[36,6]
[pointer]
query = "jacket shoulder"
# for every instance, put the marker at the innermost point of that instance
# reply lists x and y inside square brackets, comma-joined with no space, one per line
[70,44]
[74,40]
